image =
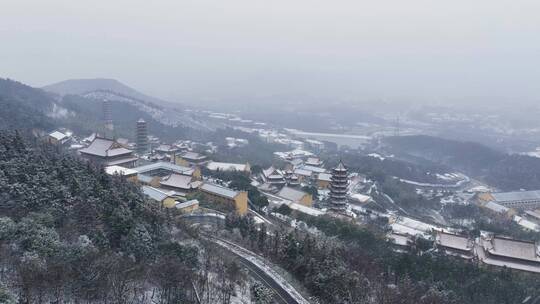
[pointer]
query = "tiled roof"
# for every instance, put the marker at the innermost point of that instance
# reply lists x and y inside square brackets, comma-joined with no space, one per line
[514,249]
[313,169]
[272,173]
[121,161]
[218,190]
[183,205]
[103,147]
[165,166]
[340,167]
[291,194]
[154,193]
[178,181]
[324,177]
[193,156]
[454,241]
[58,135]
[302,172]
[496,207]
[516,196]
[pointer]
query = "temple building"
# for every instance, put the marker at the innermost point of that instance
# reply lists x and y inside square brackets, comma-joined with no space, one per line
[291,178]
[191,159]
[338,188]
[502,251]
[142,137]
[518,200]
[274,177]
[107,152]
[454,244]
[296,196]
[222,195]
[152,174]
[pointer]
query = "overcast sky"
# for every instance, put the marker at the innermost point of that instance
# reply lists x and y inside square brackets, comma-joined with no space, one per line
[433,51]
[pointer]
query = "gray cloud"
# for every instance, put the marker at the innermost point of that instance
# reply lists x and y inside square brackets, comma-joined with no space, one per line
[431,51]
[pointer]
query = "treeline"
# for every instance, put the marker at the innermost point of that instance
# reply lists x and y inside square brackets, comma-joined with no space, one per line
[504,171]
[352,264]
[69,232]
[22,107]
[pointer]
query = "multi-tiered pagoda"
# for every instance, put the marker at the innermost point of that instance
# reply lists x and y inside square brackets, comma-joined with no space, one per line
[338,188]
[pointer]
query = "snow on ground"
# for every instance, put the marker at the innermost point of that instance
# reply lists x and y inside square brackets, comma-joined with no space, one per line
[376,155]
[461,179]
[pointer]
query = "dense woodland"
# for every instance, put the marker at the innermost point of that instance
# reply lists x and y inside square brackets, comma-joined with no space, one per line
[379,169]
[22,107]
[68,231]
[505,171]
[353,264]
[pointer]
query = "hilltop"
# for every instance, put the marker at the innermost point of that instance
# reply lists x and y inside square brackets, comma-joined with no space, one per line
[89,85]
[502,170]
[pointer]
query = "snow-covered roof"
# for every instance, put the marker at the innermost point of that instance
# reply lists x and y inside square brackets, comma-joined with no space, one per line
[496,207]
[313,161]
[180,205]
[155,193]
[516,196]
[306,209]
[193,156]
[105,148]
[58,135]
[324,177]
[525,223]
[179,181]
[362,198]
[302,172]
[219,190]
[296,162]
[165,166]
[453,241]
[512,248]
[340,167]
[272,173]
[291,194]
[119,170]
[535,213]
[214,166]
[313,169]
[125,160]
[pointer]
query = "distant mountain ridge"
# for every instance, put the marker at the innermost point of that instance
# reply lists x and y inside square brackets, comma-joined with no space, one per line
[97,89]
[89,85]
[508,172]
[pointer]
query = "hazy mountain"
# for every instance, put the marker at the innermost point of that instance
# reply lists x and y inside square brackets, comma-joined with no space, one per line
[86,86]
[502,170]
[165,114]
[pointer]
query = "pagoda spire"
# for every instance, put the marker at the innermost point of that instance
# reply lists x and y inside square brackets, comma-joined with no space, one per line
[339,183]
